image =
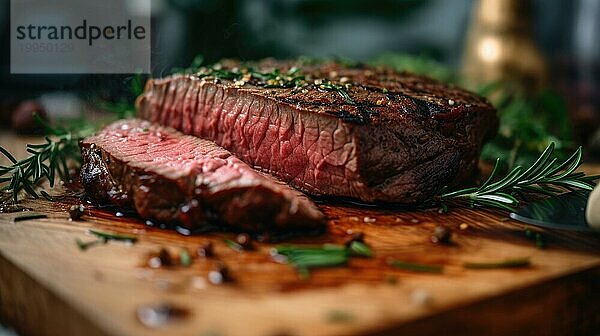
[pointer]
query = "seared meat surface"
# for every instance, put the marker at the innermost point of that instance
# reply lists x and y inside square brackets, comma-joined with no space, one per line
[387,136]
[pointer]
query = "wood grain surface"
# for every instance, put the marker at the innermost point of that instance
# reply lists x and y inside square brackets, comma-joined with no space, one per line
[48,286]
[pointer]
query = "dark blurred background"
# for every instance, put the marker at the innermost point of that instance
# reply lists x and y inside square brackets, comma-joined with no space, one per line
[564,33]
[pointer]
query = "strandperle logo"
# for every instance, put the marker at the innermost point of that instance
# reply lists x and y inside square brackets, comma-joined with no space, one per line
[80,36]
[82,32]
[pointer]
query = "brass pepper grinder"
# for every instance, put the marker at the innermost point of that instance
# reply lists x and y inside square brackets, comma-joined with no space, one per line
[500,46]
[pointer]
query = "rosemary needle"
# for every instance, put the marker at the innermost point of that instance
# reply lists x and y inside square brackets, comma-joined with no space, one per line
[508,263]
[545,176]
[233,245]
[113,236]
[360,249]
[417,267]
[184,258]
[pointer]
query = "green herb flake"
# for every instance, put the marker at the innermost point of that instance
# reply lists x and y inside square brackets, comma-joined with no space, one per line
[184,258]
[85,245]
[391,280]
[340,316]
[508,263]
[113,236]
[427,268]
[233,245]
[360,249]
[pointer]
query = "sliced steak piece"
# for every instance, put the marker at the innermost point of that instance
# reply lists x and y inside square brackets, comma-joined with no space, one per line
[393,137]
[170,177]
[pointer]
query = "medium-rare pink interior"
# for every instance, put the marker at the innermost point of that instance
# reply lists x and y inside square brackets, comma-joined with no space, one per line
[406,146]
[171,177]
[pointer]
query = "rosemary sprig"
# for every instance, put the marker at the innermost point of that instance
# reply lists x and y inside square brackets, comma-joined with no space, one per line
[545,176]
[47,160]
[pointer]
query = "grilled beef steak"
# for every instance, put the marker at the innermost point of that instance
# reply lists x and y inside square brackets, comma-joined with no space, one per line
[170,177]
[366,133]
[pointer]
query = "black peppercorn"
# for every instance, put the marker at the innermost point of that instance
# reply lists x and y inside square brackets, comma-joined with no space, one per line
[441,235]
[244,240]
[76,211]
[165,257]
[219,274]
[205,250]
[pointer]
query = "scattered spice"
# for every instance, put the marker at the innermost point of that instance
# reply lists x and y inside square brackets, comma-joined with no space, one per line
[219,274]
[76,211]
[205,250]
[158,315]
[369,220]
[416,267]
[441,235]
[421,297]
[165,257]
[507,263]
[244,240]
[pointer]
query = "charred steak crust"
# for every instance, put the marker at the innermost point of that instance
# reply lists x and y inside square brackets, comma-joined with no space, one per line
[403,139]
[170,177]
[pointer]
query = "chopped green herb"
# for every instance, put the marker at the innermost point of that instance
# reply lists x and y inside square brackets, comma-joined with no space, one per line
[311,259]
[85,245]
[303,273]
[305,257]
[233,245]
[340,316]
[113,236]
[184,258]
[508,263]
[103,238]
[357,248]
[417,267]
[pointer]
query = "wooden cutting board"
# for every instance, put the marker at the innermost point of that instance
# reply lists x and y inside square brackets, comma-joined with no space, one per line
[48,286]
